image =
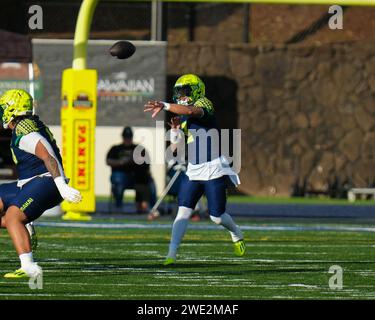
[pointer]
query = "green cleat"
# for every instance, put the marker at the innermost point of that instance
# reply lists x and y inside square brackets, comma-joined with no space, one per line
[169,261]
[19,273]
[33,236]
[239,248]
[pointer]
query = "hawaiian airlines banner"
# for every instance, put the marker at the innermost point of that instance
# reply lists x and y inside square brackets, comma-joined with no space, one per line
[123,85]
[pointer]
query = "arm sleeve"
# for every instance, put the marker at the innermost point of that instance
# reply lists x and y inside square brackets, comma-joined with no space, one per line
[28,143]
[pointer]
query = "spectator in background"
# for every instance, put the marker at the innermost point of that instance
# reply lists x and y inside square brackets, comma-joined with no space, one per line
[126,174]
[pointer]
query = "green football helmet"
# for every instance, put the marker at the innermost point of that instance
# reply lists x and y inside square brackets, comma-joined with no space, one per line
[15,103]
[188,89]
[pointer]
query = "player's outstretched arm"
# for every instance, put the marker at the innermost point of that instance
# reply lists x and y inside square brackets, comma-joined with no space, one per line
[156,106]
[67,193]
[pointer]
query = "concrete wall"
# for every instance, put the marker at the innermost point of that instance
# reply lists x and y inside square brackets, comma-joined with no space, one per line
[151,138]
[306,112]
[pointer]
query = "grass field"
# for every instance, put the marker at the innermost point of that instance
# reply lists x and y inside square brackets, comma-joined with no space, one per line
[122,259]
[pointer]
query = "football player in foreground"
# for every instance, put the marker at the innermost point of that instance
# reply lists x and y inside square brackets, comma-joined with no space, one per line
[208,176]
[41,181]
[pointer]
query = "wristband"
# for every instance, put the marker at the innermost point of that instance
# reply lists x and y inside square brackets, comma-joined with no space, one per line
[59,181]
[167,105]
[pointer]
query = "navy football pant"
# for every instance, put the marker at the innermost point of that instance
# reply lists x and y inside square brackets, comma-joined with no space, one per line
[35,197]
[215,191]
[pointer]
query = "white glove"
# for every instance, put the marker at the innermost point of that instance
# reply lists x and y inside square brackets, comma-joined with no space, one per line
[175,136]
[33,270]
[67,193]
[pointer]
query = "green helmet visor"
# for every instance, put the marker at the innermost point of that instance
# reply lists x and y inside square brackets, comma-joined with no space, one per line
[181,92]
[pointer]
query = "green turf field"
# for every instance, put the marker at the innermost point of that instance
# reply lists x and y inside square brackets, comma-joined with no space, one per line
[98,263]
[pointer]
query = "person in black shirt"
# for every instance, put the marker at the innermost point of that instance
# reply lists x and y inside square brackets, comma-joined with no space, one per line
[126,174]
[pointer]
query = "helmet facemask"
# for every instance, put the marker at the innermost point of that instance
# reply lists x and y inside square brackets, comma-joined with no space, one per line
[183,95]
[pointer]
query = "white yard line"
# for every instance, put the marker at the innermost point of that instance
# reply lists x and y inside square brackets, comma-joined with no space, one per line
[160,285]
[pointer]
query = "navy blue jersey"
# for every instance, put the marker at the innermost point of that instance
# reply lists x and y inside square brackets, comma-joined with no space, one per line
[198,132]
[27,164]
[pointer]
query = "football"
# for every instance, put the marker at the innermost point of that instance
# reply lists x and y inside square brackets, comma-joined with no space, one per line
[122,49]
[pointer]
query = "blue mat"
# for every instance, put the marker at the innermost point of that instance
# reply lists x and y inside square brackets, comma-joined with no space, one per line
[269,210]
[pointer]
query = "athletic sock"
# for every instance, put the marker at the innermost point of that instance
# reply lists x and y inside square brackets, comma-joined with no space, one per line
[26,259]
[178,230]
[227,222]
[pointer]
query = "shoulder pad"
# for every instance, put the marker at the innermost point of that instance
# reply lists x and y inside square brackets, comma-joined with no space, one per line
[26,126]
[205,104]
